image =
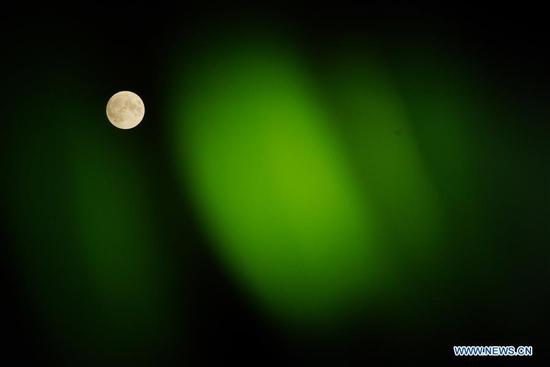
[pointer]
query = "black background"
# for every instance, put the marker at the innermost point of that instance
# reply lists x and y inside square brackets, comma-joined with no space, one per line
[127,44]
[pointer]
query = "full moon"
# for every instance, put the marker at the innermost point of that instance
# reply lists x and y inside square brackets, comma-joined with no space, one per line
[125,110]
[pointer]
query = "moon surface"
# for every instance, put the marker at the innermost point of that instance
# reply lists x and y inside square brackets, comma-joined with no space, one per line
[125,110]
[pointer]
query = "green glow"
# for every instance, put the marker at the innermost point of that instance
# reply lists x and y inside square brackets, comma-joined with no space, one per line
[118,238]
[324,196]
[382,144]
[449,111]
[87,241]
[273,183]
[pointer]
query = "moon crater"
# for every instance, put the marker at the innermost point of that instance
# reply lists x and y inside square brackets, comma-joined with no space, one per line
[125,110]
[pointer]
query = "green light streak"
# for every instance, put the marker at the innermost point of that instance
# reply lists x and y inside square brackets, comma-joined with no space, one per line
[273,185]
[87,243]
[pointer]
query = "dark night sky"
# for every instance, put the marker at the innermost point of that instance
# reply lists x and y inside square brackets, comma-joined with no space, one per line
[128,45]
